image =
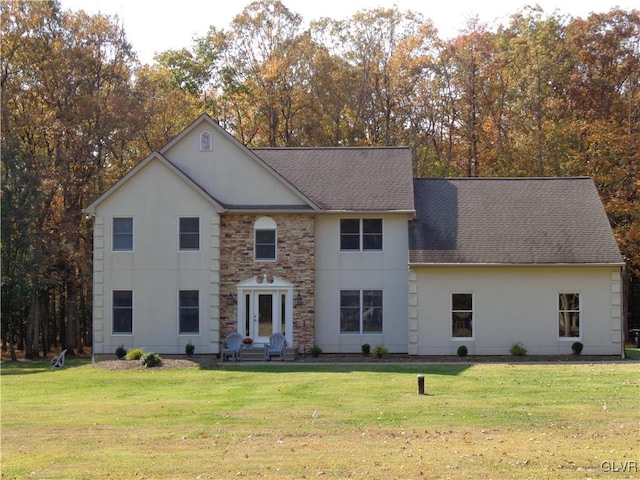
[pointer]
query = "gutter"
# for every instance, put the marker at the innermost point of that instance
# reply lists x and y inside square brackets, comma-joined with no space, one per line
[461,264]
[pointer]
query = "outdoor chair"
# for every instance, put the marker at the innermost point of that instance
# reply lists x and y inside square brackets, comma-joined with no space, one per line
[59,360]
[276,345]
[232,347]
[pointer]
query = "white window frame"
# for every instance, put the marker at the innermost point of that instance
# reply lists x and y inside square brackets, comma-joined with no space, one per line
[180,233]
[113,234]
[361,235]
[113,332]
[204,145]
[265,224]
[361,308]
[561,311]
[472,312]
[180,332]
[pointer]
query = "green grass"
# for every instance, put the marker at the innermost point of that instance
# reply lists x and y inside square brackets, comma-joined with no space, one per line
[476,421]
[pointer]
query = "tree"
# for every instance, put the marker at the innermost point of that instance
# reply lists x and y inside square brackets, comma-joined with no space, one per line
[68,107]
[265,73]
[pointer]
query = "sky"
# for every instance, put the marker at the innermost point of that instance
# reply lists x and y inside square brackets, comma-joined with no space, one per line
[153,27]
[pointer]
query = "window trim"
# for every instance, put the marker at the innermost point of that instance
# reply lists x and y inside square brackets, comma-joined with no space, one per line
[265,224]
[180,233]
[208,146]
[361,235]
[180,308]
[113,307]
[113,235]
[473,316]
[579,311]
[361,291]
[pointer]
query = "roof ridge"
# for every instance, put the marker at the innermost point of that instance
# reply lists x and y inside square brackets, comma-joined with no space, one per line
[398,147]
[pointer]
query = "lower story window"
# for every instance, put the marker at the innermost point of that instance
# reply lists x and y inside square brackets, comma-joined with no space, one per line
[461,315]
[569,315]
[188,311]
[361,311]
[122,311]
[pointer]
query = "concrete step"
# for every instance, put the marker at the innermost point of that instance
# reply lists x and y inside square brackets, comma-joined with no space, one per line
[255,353]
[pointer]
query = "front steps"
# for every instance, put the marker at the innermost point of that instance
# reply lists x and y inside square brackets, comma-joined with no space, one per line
[255,353]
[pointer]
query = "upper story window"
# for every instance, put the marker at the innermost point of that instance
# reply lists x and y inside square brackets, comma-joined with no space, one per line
[361,234]
[265,239]
[123,234]
[569,315]
[189,238]
[205,142]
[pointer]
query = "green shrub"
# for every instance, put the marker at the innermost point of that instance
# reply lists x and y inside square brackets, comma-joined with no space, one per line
[518,350]
[189,349]
[150,359]
[462,351]
[316,351]
[366,349]
[577,348]
[134,354]
[379,351]
[121,352]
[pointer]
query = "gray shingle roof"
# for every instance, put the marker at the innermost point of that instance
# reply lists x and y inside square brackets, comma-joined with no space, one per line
[349,179]
[510,221]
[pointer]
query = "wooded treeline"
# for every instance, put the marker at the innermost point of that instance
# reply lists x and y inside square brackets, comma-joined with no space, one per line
[544,95]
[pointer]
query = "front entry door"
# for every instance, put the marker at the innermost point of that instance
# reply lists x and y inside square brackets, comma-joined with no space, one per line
[266,314]
[266,308]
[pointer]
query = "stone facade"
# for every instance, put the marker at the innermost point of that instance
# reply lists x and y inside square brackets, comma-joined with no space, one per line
[295,263]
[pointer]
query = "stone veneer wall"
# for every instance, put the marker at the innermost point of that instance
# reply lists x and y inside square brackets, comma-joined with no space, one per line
[295,263]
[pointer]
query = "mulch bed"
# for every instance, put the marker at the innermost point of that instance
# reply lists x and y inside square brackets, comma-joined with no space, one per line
[167,364]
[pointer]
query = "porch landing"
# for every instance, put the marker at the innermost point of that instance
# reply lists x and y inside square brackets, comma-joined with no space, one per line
[255,353]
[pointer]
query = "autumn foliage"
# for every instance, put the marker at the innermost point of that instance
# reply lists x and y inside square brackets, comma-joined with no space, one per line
[542,95]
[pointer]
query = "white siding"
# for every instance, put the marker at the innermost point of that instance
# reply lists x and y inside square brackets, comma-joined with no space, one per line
[229,171]
[514,304]
[386,270]
[155,271]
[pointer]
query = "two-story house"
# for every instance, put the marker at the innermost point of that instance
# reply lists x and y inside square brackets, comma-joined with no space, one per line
[338,247]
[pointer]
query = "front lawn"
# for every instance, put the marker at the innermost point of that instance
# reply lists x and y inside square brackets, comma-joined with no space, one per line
[497,421]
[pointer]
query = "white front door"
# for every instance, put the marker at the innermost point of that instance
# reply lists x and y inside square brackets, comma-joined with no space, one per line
[269,312]
[265,308]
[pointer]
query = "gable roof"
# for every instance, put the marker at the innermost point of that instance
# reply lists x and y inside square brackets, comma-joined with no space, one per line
[204,118]
[375,179]
[217,206]
[510,221]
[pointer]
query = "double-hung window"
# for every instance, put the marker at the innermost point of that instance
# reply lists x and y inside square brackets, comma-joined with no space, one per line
[123,234]
[361,234]
[462,315]
[569,315]
[122,312]
[189,234]
[361,311]
[188,311]
[265,238]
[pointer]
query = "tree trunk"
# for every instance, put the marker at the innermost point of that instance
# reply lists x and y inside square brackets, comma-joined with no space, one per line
[72,327]
[32,342]
[12,347]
